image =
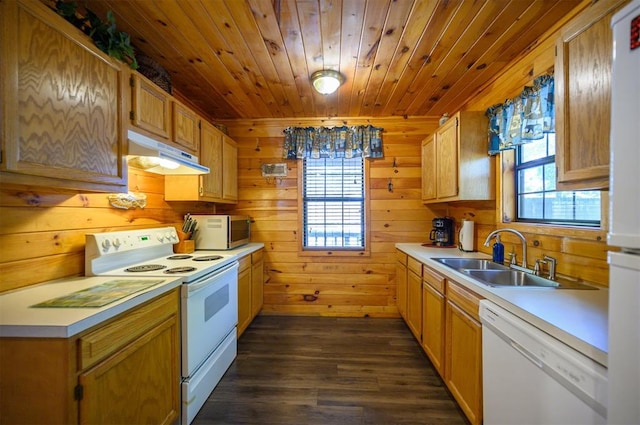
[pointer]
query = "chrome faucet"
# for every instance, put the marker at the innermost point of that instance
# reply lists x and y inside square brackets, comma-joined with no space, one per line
[518,234]
[551,262]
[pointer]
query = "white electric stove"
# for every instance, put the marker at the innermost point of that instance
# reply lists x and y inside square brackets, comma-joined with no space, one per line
[209,294]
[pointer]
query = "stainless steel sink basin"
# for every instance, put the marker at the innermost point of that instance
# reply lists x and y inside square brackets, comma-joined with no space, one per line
[497,275]
[471,263]
[510,278]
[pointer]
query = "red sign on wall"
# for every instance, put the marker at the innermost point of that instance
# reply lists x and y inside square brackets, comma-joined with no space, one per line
[634,35]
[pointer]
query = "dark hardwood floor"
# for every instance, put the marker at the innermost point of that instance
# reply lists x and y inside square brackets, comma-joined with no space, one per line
[318,370]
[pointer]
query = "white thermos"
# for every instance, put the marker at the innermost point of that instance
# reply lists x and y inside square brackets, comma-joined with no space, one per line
[465,237]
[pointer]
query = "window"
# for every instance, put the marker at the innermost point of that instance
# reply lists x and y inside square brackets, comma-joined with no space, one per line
[333,203]
[537,199]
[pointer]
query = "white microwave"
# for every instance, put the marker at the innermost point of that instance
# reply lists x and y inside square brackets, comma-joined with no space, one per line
[222,231]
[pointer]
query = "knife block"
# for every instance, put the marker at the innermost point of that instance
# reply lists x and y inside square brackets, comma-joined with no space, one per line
[184,245]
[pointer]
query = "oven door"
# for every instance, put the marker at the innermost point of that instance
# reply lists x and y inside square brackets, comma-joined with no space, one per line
[209,314]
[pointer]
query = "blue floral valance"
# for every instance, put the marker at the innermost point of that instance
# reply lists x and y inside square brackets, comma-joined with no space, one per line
[524,118]
[336,142]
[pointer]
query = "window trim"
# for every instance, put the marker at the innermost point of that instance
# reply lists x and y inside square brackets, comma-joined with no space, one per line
[506,209]
[337,252]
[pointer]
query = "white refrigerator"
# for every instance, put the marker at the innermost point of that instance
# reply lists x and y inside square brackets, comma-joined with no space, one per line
[624,221]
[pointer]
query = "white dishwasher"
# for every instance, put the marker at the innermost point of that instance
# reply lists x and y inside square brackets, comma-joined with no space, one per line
[531,378]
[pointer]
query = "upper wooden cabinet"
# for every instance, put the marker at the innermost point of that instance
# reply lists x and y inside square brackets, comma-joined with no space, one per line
[157,114]
[186,127]
[583,97]
[150,107]
[429,168]
[229,170]
[455,163]
[218,152]
[63,120]
[211,155]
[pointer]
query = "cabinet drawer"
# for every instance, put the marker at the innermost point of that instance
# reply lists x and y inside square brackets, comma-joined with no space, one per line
[244,263]
[256,257]
[414,265]
[401,257]
[434,279]
[466,300]
[108,339]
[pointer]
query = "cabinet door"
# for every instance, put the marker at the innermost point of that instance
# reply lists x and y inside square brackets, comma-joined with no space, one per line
[429,168]
[211,156]
[244,299]
[257,282]
[62,112]
[151,108]
[414,303]
[401,289]
[230,177]
[583,98]
[139,384]
[463,363]
[447,163]
[433,319]
[186,127]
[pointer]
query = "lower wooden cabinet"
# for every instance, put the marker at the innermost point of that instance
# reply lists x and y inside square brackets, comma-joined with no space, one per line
[414,297]
[244,294]
[433,317]
[257,282]
[443,316]
[463,359]
[401,283]
[127,371]
[250,289]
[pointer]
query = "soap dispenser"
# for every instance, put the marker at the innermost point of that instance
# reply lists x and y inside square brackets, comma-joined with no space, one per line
[498,251]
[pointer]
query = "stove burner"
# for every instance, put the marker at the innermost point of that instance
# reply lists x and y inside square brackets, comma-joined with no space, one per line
[145,268]
[179,257]
[185,269]
[208,258]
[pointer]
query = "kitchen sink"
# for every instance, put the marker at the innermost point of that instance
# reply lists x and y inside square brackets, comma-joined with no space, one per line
[471,263]
[510,278]
[497,275]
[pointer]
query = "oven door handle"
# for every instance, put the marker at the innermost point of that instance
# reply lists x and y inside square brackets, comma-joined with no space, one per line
[205,281]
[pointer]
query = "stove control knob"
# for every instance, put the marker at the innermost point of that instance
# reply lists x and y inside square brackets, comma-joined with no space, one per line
[106,244]
[173,236]
[116,243]
[167,236]
[160,237]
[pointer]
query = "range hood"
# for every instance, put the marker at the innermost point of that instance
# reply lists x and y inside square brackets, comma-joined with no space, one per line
[157,157]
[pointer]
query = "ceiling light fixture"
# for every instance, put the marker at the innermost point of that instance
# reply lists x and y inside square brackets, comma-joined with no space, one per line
[326,81]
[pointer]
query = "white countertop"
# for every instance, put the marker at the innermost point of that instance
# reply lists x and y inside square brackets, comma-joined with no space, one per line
[239,252]
[19,319]
[579,318]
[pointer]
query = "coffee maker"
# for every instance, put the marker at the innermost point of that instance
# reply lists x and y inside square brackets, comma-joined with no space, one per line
[442,232]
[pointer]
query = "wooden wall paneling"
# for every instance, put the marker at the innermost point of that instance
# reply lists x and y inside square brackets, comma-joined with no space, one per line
[42,230]
[335,286]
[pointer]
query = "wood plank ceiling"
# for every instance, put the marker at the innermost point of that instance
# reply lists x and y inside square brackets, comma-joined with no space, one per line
[253,58]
